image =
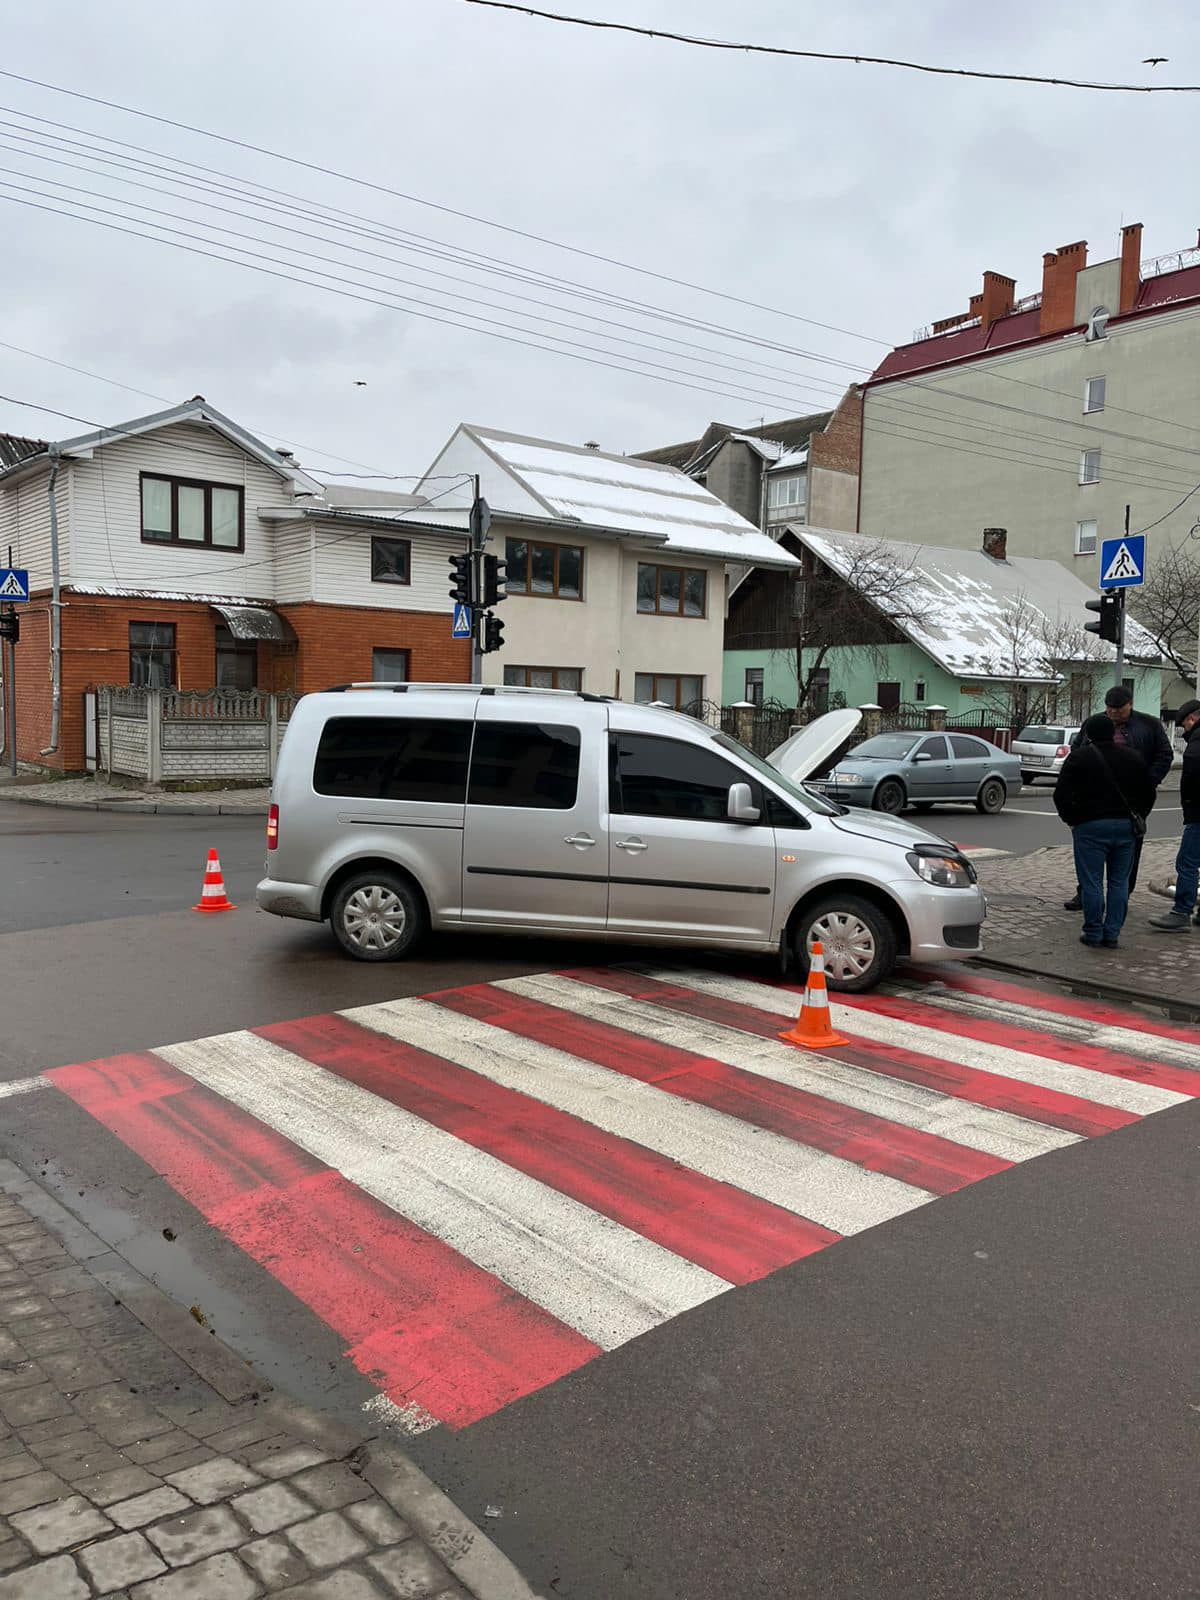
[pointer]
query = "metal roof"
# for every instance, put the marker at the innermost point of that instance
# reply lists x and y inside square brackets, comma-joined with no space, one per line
[13,449]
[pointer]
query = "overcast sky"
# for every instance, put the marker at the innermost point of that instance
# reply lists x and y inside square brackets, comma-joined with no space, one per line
[860,197]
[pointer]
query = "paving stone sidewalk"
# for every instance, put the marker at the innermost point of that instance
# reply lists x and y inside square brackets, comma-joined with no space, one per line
[94,794]
[126,1475]
[1028,931]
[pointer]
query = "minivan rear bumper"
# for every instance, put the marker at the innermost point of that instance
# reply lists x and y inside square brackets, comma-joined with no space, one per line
[289,899]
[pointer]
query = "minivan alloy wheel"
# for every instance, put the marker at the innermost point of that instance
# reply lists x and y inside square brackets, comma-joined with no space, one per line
[848,944]
[374,918]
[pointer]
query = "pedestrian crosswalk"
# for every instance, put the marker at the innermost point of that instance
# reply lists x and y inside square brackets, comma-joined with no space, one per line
[484,1188]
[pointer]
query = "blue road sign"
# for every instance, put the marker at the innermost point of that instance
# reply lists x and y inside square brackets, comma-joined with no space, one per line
[461,627]
[14,583]
[1123,562]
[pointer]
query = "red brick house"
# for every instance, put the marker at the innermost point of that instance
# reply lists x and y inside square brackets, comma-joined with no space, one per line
[192,555]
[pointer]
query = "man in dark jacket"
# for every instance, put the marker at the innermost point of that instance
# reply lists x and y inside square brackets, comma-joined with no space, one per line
[1187,862]
[1148,737]
[1102,787]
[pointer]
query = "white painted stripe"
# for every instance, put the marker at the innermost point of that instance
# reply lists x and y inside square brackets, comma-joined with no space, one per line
[824,1188]
[602,1279]
[1129,1041]
[1124,1093]
[911,1105]
[410,1418]
[24,1085]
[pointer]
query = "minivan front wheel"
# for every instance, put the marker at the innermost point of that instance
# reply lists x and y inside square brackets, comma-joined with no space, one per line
[858,940]
[375,916]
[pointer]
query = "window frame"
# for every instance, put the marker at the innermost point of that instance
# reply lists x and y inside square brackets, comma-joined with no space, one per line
[684,572]
[567,733]
[171,651]
[1081,549]
[399,544]
[755,692]
[390,650]
[553,671]
[207,486]
[1088,407]
[527,592]
[239,649]
[932,738]
[1084,480]
[464,731]
[656,677]
[616,794]
[778,481]
[979,753]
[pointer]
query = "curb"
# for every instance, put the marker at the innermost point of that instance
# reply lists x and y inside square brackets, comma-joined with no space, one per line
[482,1569]
[1175,1009]
[136,807]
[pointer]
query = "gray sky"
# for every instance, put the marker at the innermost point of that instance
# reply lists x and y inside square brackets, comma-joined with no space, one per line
[860,197]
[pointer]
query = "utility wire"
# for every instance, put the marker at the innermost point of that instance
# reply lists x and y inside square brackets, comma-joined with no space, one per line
[831,55]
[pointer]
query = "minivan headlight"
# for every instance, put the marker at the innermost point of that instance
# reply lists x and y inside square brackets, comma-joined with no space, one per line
[945,872]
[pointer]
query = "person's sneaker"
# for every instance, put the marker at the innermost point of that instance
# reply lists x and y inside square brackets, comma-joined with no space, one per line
[1111,944]
[1171,921]
[1073,904]
[1090,944]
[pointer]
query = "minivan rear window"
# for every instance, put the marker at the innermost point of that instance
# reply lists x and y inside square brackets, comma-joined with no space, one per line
[530,764]
[393,758]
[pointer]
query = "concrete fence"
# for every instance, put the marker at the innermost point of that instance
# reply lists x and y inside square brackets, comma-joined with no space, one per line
[174,738]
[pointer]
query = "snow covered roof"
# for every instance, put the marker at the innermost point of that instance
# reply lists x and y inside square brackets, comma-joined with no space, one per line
[976,616]
[791,460]
[114,592]
[617,494]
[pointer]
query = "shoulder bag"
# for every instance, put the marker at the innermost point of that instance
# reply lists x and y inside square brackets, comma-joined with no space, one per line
[1137,820]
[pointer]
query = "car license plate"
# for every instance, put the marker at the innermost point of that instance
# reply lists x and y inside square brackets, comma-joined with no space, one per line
[1036,759]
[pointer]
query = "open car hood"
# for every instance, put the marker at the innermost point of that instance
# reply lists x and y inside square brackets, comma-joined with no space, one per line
[813,747]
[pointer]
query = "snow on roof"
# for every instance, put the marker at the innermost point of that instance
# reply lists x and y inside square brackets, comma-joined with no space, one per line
[978,617]
[113,592]
[792,460]
[629,495]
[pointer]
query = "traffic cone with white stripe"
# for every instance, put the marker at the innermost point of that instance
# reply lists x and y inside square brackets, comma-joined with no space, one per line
[813,1030]
[213,896]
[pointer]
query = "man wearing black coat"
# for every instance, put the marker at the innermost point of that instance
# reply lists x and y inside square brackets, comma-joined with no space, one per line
[1102,788]
[1148,737]
[1187,862]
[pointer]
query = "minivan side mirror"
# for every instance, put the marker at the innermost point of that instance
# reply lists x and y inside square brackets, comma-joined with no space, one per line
[740,806]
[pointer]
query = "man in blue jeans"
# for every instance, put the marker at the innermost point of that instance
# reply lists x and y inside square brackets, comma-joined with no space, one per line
[1103,792]
[1187,862]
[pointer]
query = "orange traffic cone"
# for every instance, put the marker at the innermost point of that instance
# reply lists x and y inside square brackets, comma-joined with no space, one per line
[213,896]
[813,1029]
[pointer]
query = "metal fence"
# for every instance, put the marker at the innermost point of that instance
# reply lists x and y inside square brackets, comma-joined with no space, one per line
[762,728]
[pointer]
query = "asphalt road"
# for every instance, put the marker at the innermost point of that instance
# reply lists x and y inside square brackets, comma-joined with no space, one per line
[993,1395]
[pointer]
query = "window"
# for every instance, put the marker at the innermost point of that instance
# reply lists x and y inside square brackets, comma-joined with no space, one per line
[550,570]
[237,662]
[1089,466]
[919,690]
[1093,394]
[180,511]
[671,591]
[680,693]
[152,655]
[967,749]
[787,491]
[1098,323]
[935,748]
[391,561]
[544,678]
[534,765]
[389,666]
[1085,537]
[389,758]
[754,685]
[653,777]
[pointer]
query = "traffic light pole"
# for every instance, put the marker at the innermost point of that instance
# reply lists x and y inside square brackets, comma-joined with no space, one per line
[480,517]
[1120,670]
[10,693]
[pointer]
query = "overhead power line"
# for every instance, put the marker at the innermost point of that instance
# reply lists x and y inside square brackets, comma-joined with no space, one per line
[833,55]
[433,205]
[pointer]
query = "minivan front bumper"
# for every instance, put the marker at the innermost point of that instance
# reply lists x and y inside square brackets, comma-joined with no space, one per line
[289,899]
[943,924]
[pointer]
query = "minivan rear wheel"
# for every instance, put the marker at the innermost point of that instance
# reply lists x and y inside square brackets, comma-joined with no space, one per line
[376,916]
[858,940]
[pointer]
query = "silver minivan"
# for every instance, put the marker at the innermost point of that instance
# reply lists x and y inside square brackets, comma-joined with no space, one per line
[399,809]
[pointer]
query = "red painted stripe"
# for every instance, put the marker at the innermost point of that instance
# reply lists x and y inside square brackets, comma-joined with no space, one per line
[421,1322]
[1052,1107]
[735,1235]
[1059,1005]
[872,1142]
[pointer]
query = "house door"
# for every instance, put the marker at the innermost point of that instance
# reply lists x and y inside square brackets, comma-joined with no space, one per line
[887,696]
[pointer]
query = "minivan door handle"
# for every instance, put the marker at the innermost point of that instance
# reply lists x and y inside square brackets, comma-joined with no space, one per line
[581,841]
[634,846]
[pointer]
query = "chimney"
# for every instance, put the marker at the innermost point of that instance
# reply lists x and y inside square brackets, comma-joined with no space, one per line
[1060,268]
[995,543]
[996,301]
[1131,265]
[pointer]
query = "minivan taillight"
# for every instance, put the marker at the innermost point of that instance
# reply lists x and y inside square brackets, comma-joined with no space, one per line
[273,828]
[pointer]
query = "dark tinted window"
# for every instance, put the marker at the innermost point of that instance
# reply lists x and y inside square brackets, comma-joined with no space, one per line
[528,764]
[935,748]
[653,777]
[390,758]
[968,749]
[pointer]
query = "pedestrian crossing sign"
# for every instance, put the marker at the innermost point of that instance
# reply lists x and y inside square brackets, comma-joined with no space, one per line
[14,583]
[1123,562]
[461,626]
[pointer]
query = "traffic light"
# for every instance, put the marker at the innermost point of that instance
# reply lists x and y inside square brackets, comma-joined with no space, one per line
[10,626]
[492,582]
[489,633]
[460,574]
[1108,620]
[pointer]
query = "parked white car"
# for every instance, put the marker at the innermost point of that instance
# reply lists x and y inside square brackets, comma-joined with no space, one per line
[1041,748]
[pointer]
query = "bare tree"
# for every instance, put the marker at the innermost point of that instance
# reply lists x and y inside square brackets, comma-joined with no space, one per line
[1034,651]
[1168,605]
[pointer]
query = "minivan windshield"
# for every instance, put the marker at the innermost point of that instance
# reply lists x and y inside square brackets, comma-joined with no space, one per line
[1035,734]
[804,797]
[886,746]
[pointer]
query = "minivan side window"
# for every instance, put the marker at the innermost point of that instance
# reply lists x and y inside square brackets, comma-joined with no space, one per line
[529,764]
[654,777]
[393,758]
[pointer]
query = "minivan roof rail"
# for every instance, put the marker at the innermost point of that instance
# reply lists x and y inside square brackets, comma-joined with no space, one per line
[466,688]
